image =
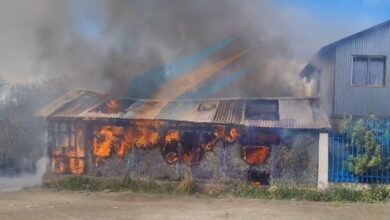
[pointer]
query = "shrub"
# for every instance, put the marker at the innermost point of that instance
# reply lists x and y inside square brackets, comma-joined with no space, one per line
[363,135]
[376,193]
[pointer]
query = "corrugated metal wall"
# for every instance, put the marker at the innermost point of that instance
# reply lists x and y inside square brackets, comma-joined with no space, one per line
[362,100]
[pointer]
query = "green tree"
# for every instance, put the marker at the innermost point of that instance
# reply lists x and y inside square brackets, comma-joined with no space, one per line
[363,134]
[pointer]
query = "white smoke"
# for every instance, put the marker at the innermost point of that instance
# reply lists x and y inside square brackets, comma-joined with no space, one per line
[25,179]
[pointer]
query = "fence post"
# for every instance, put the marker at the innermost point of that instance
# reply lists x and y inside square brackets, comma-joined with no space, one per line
[323,154]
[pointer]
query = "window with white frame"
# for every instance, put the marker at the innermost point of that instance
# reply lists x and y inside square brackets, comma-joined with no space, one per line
[369,70]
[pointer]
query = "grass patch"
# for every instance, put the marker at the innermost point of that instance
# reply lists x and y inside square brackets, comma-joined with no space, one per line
[110,184]
[339,194]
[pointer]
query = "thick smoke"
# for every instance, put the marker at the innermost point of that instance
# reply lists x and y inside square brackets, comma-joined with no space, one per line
[104,45]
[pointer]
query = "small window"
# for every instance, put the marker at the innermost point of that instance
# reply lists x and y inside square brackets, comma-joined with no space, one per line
[262,110]
[206,106]
[368,71]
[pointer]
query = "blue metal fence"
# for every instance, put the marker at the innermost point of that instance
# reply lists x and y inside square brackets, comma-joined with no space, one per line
[340,148]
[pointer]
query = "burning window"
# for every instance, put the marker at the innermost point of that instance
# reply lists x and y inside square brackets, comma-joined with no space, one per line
[256,155]
[68,150]
[170,150]
[262,110]
[110,140]
[191,147]
[147,134]
[182,147]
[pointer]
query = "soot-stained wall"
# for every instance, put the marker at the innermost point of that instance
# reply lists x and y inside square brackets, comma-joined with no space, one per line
[216,155]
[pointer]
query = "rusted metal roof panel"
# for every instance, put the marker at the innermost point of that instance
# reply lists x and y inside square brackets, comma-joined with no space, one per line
[190,111]
[229,112]
[293,113]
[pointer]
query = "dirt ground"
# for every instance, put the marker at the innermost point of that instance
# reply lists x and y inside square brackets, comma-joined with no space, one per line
[37,203]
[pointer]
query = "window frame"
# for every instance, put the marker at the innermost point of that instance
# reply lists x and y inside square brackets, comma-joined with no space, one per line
[69,131]
[264,101]
[369,57]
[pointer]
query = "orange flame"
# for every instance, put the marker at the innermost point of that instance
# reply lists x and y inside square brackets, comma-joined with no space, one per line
[69,162]
[234,134]
[172,136]
[76,164]
[58,166]
[147,137]
[256,156]
[112,139]
[125,145]
[118,140]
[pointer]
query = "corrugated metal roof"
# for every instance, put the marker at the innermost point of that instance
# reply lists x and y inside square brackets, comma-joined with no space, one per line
[72,103]
[295,113]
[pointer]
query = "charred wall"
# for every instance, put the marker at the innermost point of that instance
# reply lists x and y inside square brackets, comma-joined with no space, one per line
[295,161]
[163,150]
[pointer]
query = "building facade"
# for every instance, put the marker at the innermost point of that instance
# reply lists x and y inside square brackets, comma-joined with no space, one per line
[351,76]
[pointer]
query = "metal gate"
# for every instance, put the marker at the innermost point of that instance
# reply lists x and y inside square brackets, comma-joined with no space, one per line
[340,149]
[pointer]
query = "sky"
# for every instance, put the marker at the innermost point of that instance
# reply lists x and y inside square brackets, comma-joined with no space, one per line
[342,17]
[351,15]
[354,11]
[358,14]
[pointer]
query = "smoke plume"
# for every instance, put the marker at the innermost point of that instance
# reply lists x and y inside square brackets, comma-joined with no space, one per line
[105,45]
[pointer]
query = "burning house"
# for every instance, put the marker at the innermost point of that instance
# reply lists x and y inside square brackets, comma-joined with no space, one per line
[217,139]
